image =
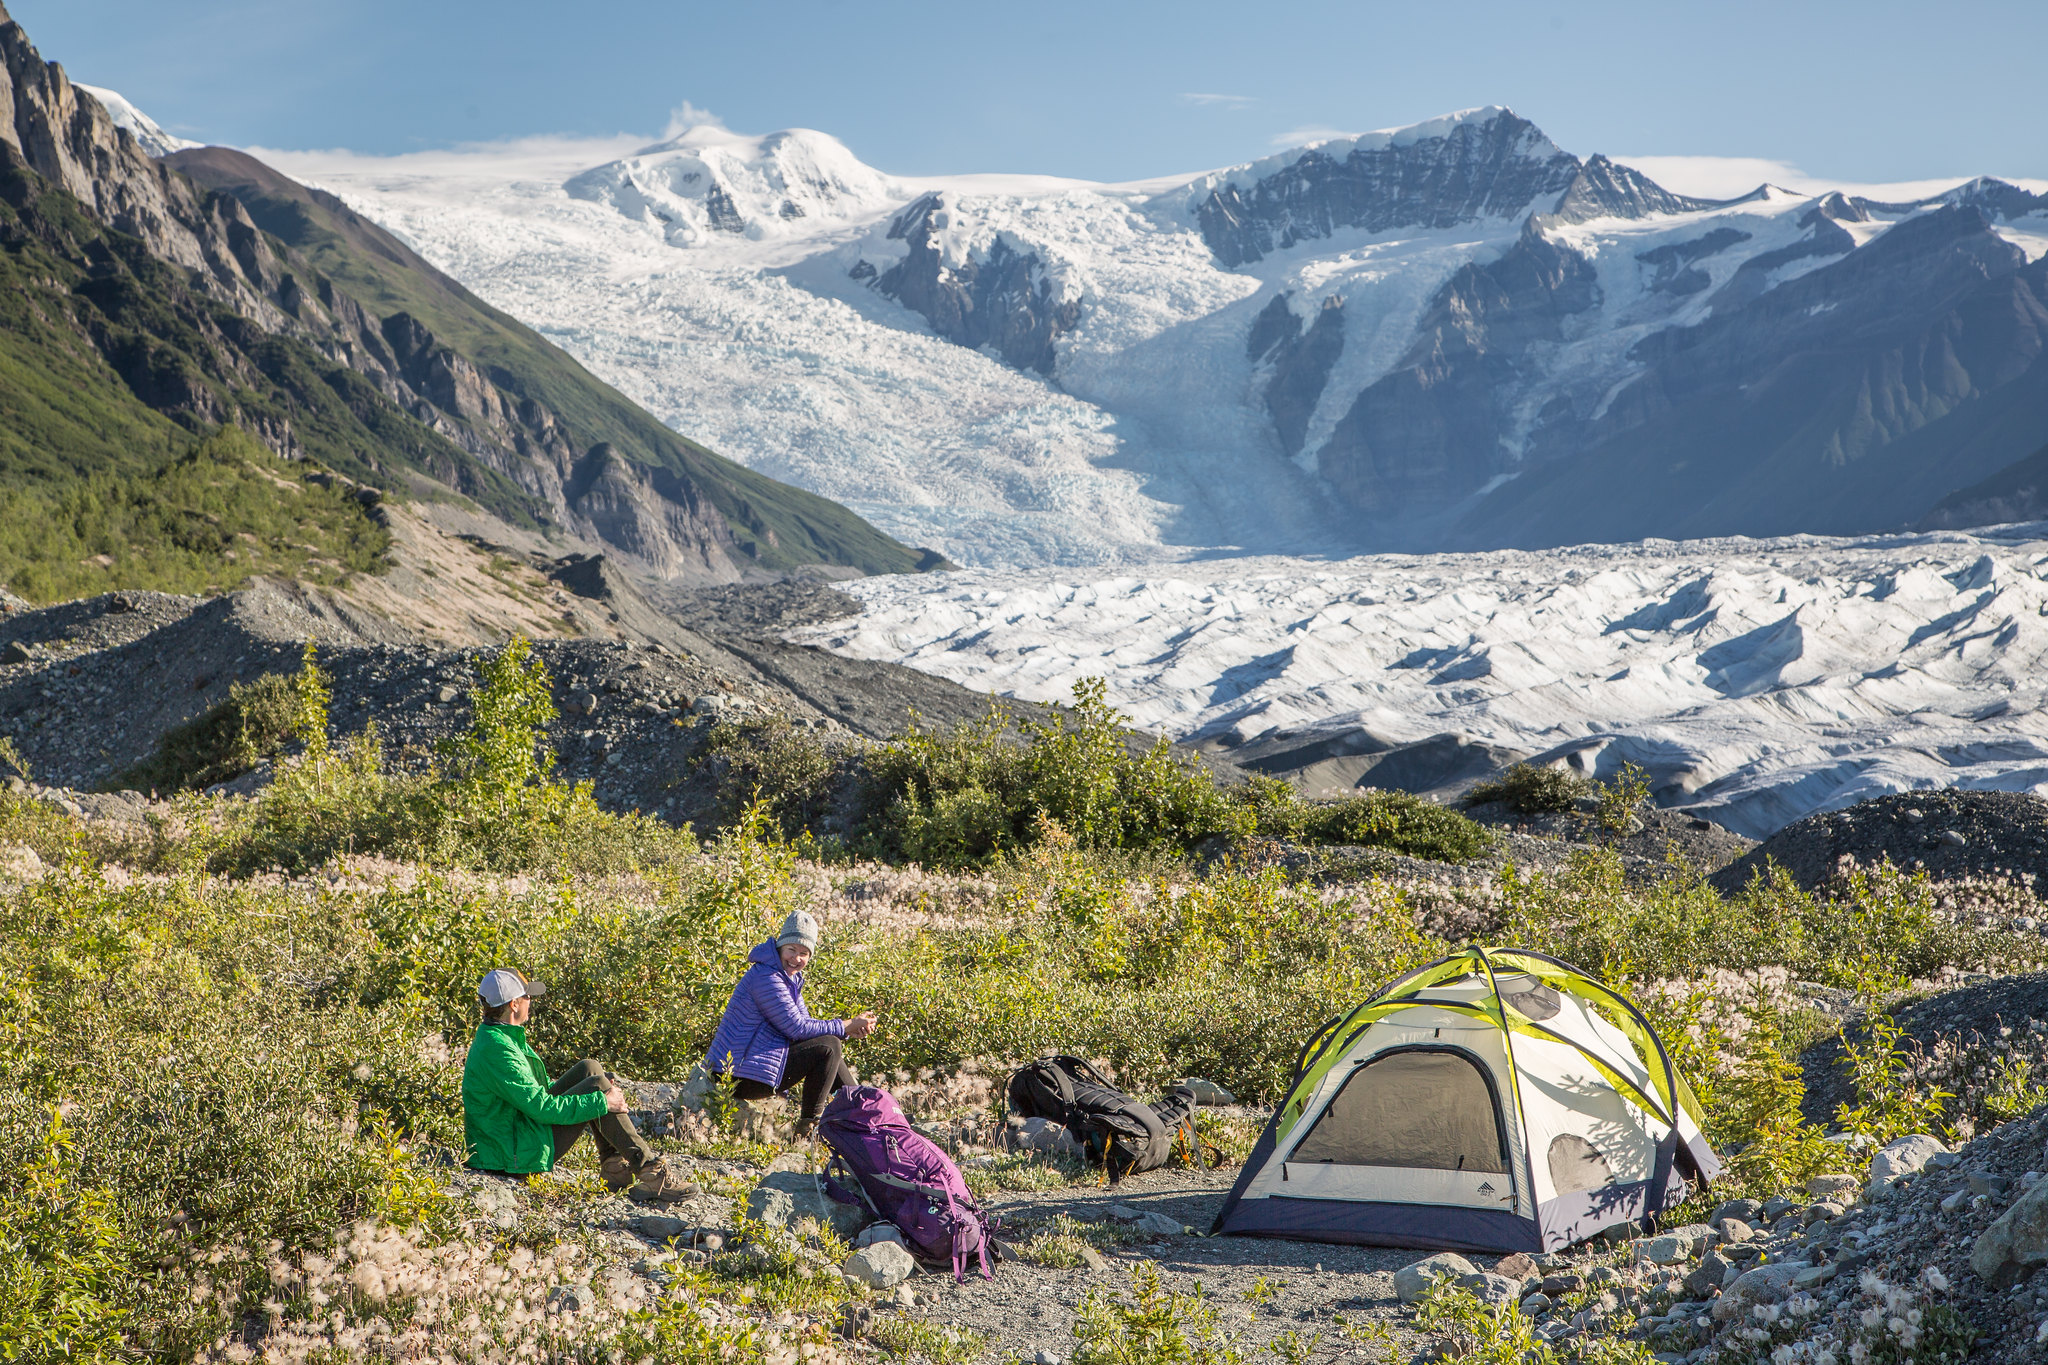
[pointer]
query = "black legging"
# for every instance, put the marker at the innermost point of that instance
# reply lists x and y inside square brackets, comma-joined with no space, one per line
[819,1064]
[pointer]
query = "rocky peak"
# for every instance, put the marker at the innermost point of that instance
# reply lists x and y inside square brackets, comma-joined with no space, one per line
[976,289]
[1487,163]
[1608,189]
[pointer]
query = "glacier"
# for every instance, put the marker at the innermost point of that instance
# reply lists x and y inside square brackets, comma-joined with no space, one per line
[758,294]
[1755,681]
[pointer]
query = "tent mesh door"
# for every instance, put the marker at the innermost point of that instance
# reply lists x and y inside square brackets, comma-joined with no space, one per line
[1426,1109]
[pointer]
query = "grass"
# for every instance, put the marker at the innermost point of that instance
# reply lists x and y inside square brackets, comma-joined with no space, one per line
[225,1048]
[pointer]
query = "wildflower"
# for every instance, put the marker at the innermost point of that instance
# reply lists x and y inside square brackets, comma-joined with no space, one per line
[1936,1281]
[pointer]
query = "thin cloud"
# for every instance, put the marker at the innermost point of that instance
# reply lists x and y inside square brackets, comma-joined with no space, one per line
[686,116]
[1315,132]
[1727,177]
[1217,101]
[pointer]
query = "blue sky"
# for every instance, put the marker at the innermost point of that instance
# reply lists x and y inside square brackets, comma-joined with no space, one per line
[1870,91]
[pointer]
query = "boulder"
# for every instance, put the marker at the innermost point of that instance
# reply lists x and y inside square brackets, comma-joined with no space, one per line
[1707,1277]
[879,1232]
[1517,1266]
[1734,1230]
[1838,1189]
[1900,1158]
[1040,1135]
[787,1199]
[1765,1284]
[1146,1220]
[1536,1305]
[1411,1282]
[2018,1239]
[1748,1210]
[883,1265]
[1207,1092]
[1491,1289]
[570,1298]
[1678,1245]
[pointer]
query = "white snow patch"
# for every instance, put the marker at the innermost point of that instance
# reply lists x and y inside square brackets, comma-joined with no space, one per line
[145,130]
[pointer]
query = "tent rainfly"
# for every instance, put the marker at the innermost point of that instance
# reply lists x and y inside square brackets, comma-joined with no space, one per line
[1494,1100]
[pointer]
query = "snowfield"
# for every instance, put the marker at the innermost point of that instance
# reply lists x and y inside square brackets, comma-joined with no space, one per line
[729,284]
[1755,680]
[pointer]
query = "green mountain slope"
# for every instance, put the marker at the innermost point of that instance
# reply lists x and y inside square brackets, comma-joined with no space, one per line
[777,525]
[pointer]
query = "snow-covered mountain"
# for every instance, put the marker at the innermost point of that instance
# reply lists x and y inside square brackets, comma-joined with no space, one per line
[1456,334]
[153,140]
[1755,680]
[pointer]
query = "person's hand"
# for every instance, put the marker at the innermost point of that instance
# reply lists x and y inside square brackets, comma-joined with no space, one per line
[615,1101]
[860,1026]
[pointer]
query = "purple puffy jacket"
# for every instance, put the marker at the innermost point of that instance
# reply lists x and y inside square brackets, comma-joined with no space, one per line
[765,1015]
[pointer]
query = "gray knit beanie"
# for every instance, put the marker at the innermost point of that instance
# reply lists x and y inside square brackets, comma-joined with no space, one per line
[798,928]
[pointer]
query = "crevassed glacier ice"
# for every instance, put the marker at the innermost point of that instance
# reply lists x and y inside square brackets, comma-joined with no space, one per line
[1756,680]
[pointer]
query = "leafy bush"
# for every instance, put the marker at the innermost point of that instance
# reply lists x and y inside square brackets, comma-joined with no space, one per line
[63,1289]
[1396,821]
[256,722]
[1152,1325]
[773,762]
[495,804]
[964,797]
[1530,790]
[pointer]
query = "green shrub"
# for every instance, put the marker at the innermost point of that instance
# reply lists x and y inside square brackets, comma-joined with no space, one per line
[965,797]
[774,762]
[63,1290]
[1152,1325]
[1531,790]
[207,520]
[256,722]
[495,804]
[1398,822]
[1620,795]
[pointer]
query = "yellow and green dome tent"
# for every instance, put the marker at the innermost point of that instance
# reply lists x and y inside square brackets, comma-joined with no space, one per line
[1495,1100]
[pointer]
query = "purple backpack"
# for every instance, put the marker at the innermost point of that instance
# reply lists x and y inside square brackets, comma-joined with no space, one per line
[905,1179]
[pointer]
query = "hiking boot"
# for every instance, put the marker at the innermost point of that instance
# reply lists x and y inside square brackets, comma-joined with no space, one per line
[658,1185]
[617,1173]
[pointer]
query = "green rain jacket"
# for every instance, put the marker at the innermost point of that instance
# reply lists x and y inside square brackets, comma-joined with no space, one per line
[508,1116]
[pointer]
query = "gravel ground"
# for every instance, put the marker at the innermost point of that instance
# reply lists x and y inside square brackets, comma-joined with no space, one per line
[1951,834]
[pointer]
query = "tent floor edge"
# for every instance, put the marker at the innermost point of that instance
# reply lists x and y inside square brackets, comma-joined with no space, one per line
[1415,1226]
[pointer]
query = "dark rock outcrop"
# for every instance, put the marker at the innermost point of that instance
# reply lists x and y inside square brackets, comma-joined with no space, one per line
[1299,359]
[1950,834]
[2018,492]
[1491,167]
[1000,300]
[1607,189]
[1849,398]
[1434,428]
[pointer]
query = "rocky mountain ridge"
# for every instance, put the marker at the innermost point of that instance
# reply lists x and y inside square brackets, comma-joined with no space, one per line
[446,389]
[1455,335]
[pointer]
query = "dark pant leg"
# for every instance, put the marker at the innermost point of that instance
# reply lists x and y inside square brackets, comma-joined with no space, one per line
[820,1064]
[614,1134]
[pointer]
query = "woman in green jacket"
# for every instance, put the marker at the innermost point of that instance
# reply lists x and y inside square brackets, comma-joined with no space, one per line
[518,1122]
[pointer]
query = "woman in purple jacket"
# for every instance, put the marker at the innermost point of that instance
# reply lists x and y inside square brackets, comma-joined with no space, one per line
[768,1042]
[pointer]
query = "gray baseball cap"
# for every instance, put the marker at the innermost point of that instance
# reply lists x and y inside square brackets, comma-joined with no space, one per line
[502,986]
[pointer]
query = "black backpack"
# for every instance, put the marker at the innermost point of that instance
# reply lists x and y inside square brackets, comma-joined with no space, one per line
[1122,1135]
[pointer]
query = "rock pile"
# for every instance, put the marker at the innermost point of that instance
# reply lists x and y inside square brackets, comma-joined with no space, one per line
[1924,1247]
[1952,835]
